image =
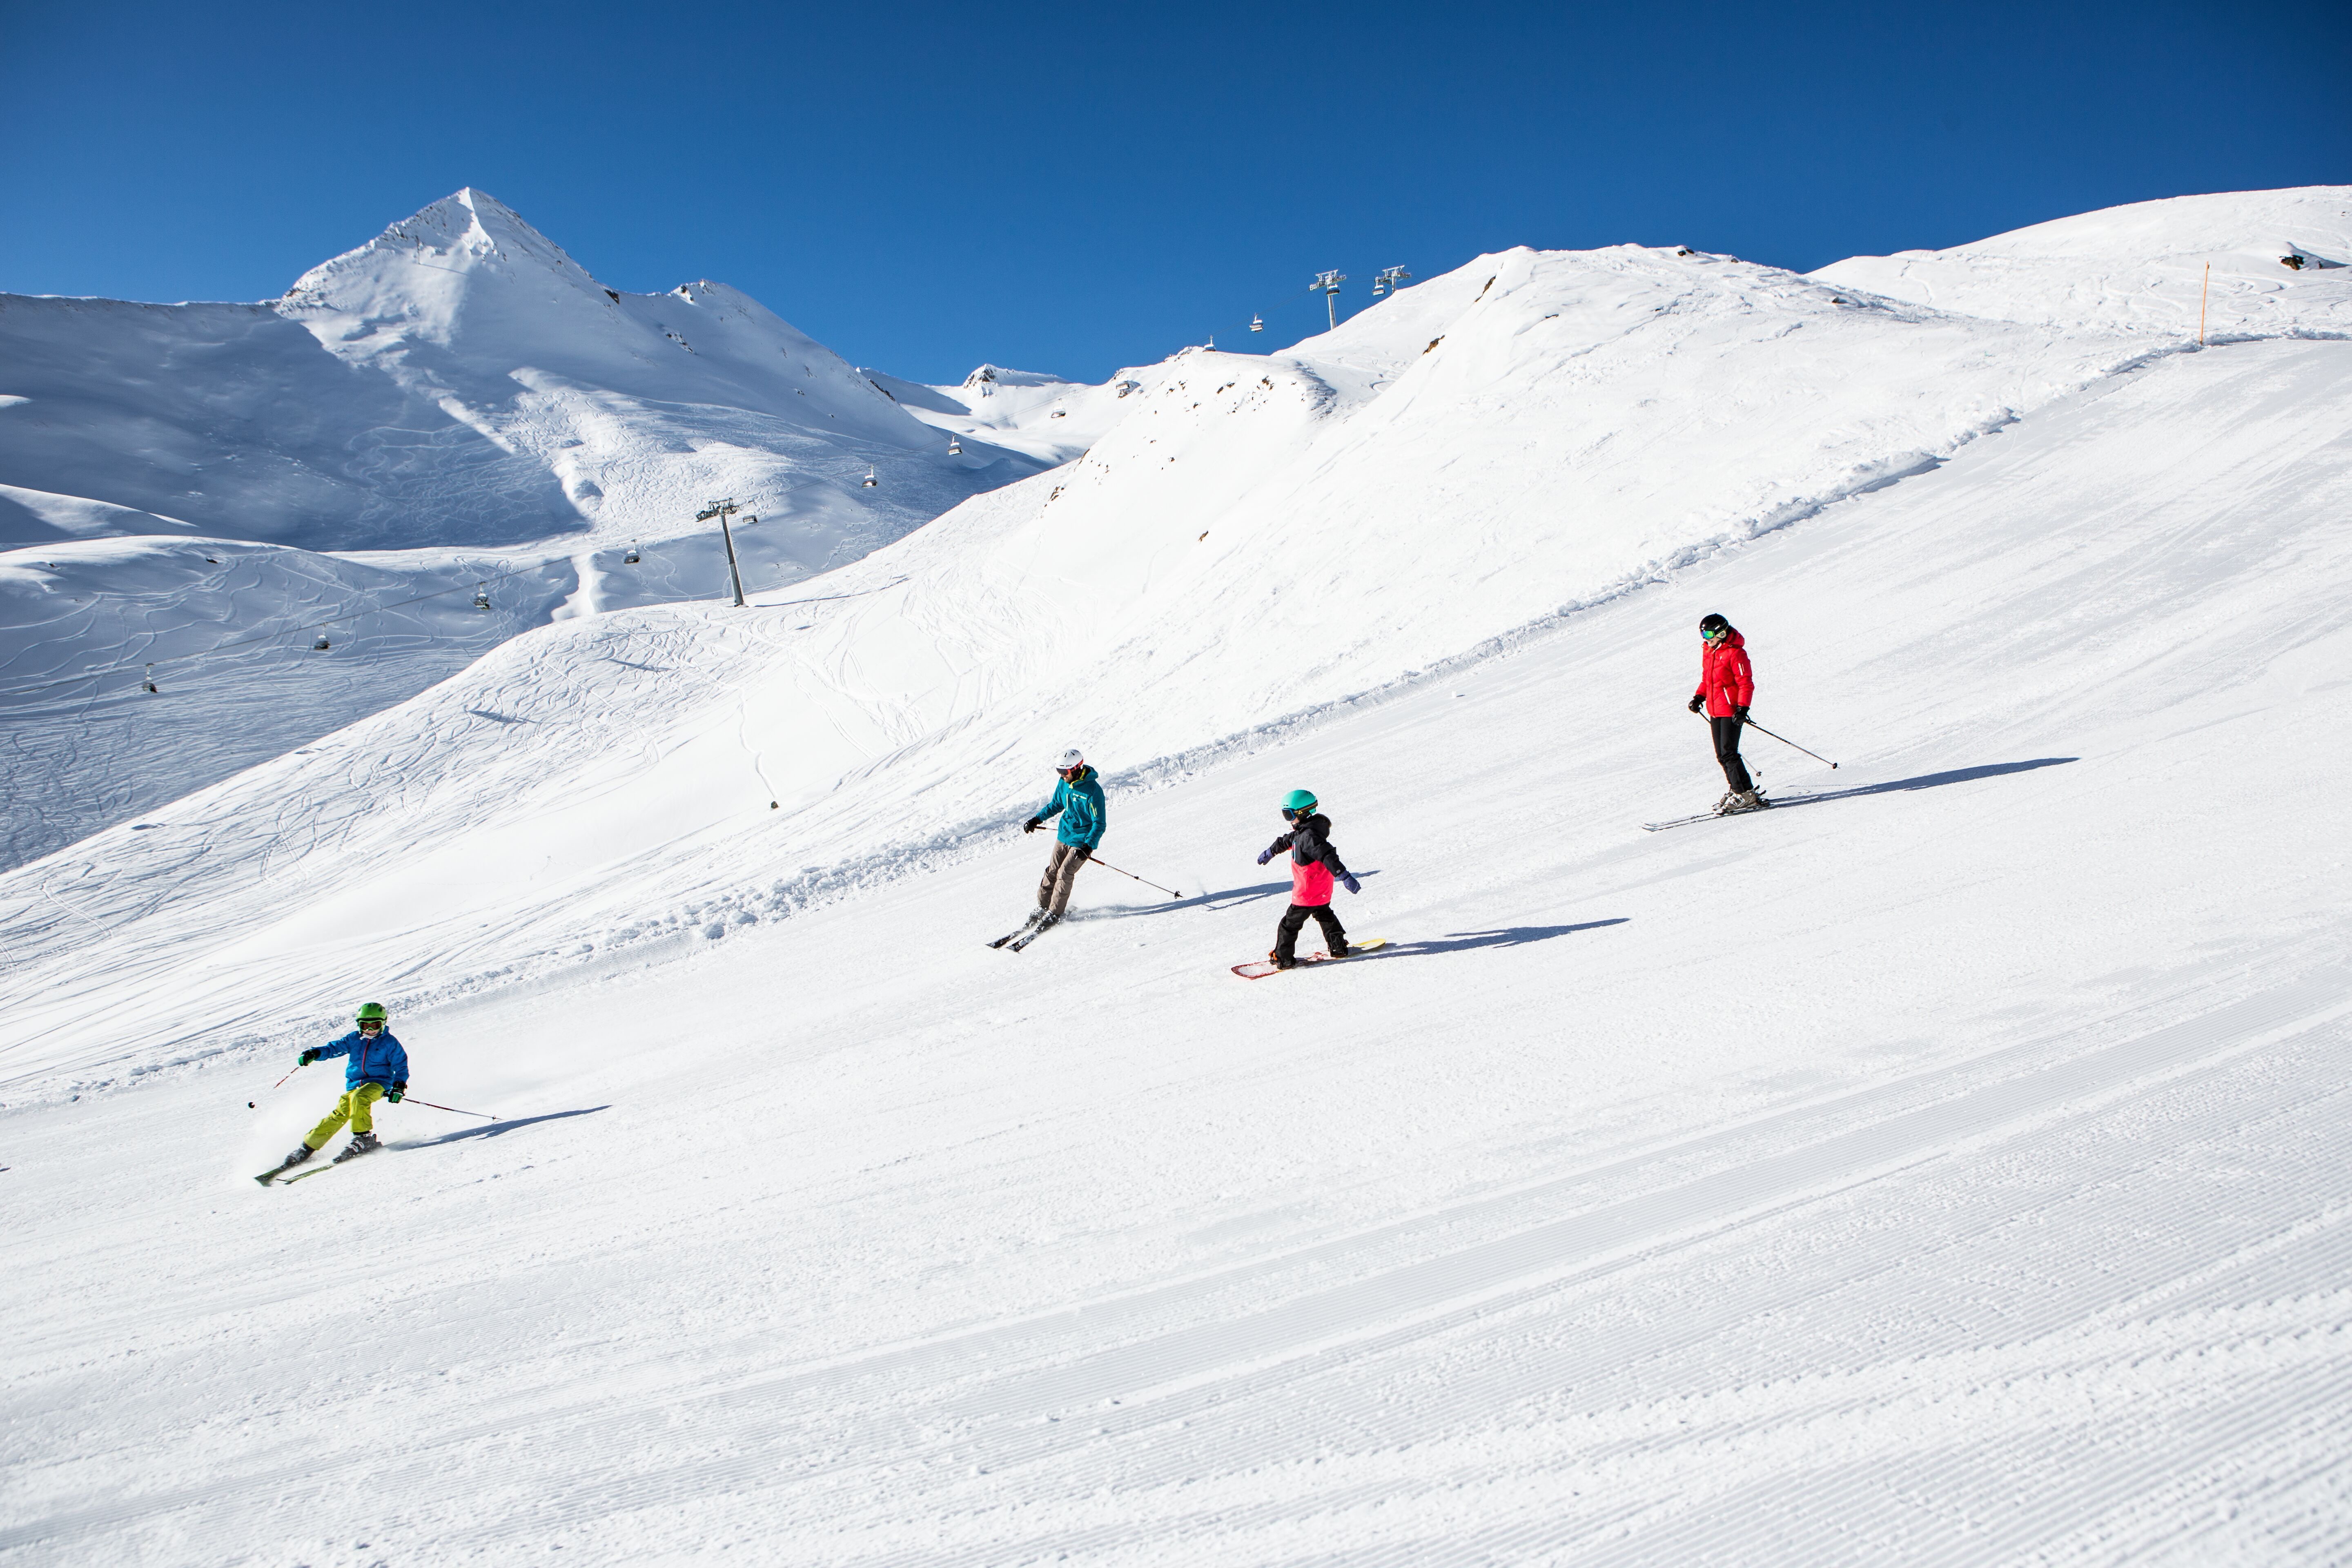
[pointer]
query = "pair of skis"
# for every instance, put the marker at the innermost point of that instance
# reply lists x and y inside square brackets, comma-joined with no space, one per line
[276,1173]
[1711,815]
[1036,926]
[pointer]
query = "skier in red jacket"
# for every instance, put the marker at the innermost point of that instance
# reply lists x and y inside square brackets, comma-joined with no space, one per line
[1726,685]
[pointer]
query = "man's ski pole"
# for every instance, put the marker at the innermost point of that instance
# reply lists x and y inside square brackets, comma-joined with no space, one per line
[1109,867]
[1786,742]
[412,1100]
[280,1083]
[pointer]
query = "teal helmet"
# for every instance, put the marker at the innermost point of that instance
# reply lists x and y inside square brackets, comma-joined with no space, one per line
[1298,801]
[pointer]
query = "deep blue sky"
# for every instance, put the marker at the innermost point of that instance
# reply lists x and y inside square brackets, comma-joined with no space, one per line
[1074,188]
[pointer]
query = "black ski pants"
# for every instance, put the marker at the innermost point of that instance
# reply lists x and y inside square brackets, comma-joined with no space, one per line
[1726,752]
[1294,920]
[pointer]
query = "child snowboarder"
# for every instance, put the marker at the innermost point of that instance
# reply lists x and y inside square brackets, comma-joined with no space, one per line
[376,1068]
[1314,864]
[1078,802]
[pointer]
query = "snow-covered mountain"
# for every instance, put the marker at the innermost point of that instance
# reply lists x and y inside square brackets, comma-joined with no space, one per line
[1044,416]
[459,381]
[1944,1167]
[456,402]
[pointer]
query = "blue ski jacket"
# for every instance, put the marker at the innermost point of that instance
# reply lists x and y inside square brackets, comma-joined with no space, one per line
[380,1060]
[1080,807]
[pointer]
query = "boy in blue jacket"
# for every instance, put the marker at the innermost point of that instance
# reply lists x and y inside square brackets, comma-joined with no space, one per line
[1078,802]
[375,1067]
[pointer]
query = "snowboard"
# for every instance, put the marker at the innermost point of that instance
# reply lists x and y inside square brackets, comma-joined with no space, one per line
[1264,966]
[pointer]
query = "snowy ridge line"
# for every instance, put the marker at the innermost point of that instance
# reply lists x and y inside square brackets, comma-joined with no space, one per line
[1660,1221]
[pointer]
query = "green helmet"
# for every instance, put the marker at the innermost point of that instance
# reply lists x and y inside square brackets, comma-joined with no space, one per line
[1299,800]
[372,1013]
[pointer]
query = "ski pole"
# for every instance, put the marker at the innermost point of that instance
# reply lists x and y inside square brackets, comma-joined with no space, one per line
[280,1083]
[1109,867]
[412,1100]
[1786,742]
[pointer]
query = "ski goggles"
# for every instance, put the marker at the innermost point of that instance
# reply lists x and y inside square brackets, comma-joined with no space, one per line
[372,1027]
[1716,635]
[1072,774]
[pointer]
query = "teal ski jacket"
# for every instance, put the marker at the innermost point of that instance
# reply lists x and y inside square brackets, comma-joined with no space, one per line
[1080,807]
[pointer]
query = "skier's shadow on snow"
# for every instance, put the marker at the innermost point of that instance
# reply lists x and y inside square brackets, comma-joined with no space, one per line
[1930,781]
[493,1128]
[1460,941]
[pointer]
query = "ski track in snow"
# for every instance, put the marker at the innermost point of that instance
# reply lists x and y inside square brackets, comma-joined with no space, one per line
[1949,1171]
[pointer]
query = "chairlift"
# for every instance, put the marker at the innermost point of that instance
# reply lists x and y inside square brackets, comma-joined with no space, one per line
[631,558]
[322,645]
[869,476]
[955,446]
[1257,323]
[149,683]
[481,596]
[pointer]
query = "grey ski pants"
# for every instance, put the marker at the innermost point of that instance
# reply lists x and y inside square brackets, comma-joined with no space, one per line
[1061,870]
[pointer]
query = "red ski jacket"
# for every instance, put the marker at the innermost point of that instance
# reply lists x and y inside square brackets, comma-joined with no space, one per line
[1725,678]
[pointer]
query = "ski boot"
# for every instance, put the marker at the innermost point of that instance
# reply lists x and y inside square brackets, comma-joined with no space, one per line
[1280,962]
[360,1144]
[1749,800]
[302,1152]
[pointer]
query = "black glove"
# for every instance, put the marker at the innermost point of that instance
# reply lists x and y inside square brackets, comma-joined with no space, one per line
[1698,700]
[1740,713]
[307,1058]
[397,1090]
[1264,856]
[1033,824]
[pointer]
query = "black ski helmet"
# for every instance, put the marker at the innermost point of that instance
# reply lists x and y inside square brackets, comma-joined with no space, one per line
[1710,624]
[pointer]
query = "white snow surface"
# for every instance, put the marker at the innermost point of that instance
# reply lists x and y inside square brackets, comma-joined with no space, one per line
[1946,1167]
[1044,416]
[456,400]
[2153,267]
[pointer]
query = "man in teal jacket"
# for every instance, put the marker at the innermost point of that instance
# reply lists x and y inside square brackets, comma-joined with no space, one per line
[1078,802]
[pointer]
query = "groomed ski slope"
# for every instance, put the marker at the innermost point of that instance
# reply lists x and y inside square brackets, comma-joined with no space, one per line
[1947,1169]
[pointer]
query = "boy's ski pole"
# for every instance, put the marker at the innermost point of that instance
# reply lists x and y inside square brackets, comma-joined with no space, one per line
[280,1083]
[1147,882]
[412,1100]
[1786,742]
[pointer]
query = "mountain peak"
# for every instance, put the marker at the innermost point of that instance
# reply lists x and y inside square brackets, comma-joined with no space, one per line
[466,231]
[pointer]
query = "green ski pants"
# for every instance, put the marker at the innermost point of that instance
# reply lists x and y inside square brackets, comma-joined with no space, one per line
[357,1106]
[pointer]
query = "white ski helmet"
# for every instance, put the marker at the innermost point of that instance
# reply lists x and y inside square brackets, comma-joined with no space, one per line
[1070,758]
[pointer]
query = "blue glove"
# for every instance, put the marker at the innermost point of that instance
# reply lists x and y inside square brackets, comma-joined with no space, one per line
[1347,880]
[1264,856]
